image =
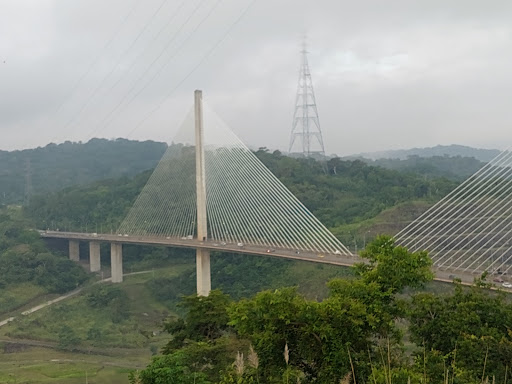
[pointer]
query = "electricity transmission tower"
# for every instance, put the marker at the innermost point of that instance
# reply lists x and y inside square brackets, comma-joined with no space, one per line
[306,137]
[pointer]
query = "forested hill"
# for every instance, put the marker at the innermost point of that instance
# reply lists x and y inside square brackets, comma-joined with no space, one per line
[54,167]
[350,191]
[456,168]
[484,155]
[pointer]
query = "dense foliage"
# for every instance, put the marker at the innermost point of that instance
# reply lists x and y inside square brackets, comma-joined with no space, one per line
[356,334]
[51,168]
[238,275]
[242,276]
[469,331]
[321,341]
[99,207]
[453,168]
[340,192]
[24,258]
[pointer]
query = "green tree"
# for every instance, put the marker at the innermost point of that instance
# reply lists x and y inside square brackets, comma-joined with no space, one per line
[470,329]
[112,297]
[68,337]
[94,333]
[168,369]
[393,267]
[206,319]
[201,341]
[323,337]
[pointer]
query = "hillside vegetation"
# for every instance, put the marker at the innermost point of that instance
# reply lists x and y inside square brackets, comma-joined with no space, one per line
[51,168]
[347,198]
[453,150]
[348,192]
[56,166]
[354,199]
[28,269]
[453,168]
[356,333]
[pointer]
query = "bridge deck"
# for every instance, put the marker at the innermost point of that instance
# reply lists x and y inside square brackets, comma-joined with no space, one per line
[210,245]
[341,260]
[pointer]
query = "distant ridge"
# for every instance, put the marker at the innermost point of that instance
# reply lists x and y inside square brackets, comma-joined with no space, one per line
[453,150]
[57,166]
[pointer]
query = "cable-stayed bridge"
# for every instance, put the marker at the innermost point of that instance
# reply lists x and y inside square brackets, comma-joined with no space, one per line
[211,193]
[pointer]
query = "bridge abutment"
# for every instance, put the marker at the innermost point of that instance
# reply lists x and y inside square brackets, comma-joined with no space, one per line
[94,256]
[74,250]
[116,262]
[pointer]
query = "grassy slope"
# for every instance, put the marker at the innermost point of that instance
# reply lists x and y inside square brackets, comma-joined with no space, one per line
[43,365]
[122,348]
[18,295]
[144,316]
[388,222]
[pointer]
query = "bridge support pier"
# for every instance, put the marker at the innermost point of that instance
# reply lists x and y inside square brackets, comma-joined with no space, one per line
[116,262]
[74,250]
[94,256]
[204,284]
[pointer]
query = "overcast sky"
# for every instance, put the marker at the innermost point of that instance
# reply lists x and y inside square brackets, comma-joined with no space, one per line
[387,74]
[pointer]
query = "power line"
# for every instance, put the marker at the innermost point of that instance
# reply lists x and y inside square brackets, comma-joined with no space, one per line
[96,59]
[106,122]
[116,66]
[191,72]
[142,53]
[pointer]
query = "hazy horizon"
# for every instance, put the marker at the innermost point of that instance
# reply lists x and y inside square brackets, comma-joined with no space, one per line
[269,148]
[387,77]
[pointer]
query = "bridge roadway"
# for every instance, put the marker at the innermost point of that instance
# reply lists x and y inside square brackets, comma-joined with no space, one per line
[209,245]
[325,258]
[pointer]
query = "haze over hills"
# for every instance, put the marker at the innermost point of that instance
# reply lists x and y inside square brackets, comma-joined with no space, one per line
[453,150]
[455,168]
[56,166]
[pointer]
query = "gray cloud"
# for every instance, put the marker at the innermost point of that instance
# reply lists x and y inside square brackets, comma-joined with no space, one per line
[392,74]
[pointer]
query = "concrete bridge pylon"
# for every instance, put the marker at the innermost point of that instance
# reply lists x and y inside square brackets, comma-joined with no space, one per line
[204,285]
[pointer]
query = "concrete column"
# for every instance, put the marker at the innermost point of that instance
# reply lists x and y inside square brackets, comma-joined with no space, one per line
[94,256]
[204,285]
[202,231]
[116,262]
[74,250]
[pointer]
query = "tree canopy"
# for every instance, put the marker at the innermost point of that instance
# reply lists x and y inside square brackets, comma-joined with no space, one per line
[57,166]
[25,258]
[293,337]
